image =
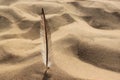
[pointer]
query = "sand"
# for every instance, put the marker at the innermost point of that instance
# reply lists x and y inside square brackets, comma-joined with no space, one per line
[85,39]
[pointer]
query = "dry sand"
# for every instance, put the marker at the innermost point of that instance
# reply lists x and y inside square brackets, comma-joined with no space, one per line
[85,39]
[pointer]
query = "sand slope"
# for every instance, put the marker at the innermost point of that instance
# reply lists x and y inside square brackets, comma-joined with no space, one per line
[85,39]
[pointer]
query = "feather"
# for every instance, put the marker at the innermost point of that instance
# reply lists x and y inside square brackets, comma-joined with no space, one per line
[46,36]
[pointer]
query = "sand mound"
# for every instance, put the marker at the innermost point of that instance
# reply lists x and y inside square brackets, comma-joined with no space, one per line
[85,40]
[98,18]
[58,21]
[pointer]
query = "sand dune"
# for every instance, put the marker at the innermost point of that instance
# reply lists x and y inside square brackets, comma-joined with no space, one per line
[85,39]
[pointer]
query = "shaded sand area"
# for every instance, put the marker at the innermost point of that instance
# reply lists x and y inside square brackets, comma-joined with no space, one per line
[85,39]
